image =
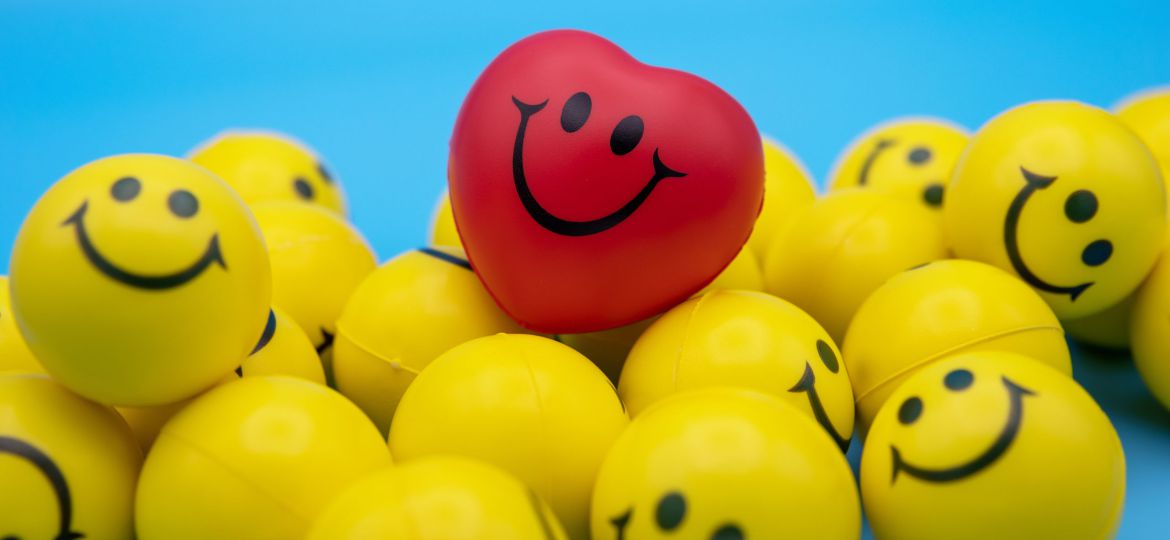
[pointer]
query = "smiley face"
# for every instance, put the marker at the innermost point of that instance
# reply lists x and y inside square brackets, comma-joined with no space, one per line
[1064,196]
[966,448]
[911,158]
[133,259]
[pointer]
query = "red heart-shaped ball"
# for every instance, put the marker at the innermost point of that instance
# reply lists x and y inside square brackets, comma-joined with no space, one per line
[591,190]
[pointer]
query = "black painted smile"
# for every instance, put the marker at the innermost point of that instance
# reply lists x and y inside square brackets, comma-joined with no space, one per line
[1033,182]
[1006,436]
[45,464]
[808,384]
[563,226]
[167,281]
[882,146]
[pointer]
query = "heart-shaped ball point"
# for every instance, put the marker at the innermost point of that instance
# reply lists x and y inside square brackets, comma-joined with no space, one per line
[591,190]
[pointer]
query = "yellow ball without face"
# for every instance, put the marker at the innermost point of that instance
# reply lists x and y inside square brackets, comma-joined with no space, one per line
[438,498]
[992,445]
[724,464]
[527,404]
[443,231]
[140,280]
[742,339]
[788,188]
[944,308]
[283,349]
[317,261]
[1150,331]
[68,464]
[1148,114]
[1064,196]
[1108,329]
[258,458]
[14,353]
[264,166]
[843,247]
[910,158]
[407,312]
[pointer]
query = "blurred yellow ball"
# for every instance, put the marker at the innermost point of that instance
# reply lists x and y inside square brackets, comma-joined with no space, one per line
[1150,331]
[443,231]
[1108,329]
[788,187]
[527,404]
[438,498]
[1147,113]
[14,353]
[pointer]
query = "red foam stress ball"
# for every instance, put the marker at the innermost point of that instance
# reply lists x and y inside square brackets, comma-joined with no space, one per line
[591,190]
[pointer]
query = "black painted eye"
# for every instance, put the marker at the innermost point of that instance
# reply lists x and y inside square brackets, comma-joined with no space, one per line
[910,410]
[919,155]
[126,189]
[959,379]
[304,189]
[827,356]
[1097,252]
[933,195]
[728,532]
[1080,206]
[672,508]
[183,203]
[626,135]
[325,175]
[576,112]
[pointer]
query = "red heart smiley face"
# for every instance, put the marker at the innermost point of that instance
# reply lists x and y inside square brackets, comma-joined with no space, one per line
[591,190]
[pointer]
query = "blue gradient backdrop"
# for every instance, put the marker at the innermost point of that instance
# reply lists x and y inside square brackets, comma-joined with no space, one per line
[375,87]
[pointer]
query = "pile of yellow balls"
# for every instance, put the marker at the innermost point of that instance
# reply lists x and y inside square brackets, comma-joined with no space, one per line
[206,347]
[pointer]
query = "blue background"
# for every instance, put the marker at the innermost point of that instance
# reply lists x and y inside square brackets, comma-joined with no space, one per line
[375,87]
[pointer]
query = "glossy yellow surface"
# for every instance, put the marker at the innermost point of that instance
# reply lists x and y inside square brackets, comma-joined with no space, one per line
[258,458]
[1066,197]
[1148,114]
[992,445]
[843,247]
[743,339]
[724,463]
[1150,332]
[788,188]
[14,353]
[944,308]
[318,259]
[438,498]
[265,166]
[140,280]
[527,404]
[286,350]
[408,311]
[67,465]
[443,231]
[909,158]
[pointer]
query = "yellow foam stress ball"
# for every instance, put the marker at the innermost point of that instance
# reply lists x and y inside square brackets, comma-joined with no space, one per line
[14,353]
[317,261]
[264,166]
[140,280]
[408,311]
[910,158]
[530,405]
[256,458]
[742,339]
[1148,114]
[443,231]
[839,250]
[1064,196]
[944,308]
[68,464]
[992,445]
[438,498]
[724,464]
[787,188]
[283,349]
[1150,332]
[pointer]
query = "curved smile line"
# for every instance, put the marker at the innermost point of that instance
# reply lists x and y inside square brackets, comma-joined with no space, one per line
[619,523]
[45,464]
[563,226]
[882,145]
[1033,182]
[1006,436]
[211,256]
[808,385]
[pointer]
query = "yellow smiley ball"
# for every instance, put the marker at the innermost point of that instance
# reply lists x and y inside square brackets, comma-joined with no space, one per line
[910,158]
[257,458]
[140,280]
[438,498]
[1064,196]
[1150,331]
[992,445]
[68,465]
[443,231]
[724,463]
[1148,114]
[14,353]
[743,339]
[283,349]
[788,188]
[843,247]
[318,259]
[944,308]
[407,312]
[527,404]
[265,166]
